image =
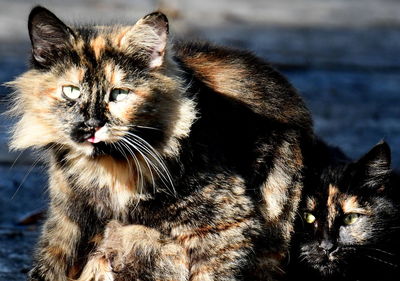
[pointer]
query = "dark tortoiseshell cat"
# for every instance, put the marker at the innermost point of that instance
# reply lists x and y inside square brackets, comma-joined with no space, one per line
[200,145]
[350,224]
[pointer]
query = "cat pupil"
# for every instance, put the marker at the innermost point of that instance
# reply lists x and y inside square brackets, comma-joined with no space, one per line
[310,218]
[118,94]
[71,92]
[350,218]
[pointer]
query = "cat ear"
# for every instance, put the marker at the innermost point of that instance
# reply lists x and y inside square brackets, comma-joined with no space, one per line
[49,36]
[374,166]
[150,35]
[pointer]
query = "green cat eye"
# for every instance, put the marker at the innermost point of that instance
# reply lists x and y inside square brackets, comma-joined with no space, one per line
[71,92]
[350,218]
[119,94]
[309,218]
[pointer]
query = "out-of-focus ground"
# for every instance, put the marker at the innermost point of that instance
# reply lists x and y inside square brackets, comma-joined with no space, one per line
[342,55]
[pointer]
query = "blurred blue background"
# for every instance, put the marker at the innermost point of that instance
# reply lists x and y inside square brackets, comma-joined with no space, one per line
[342,55]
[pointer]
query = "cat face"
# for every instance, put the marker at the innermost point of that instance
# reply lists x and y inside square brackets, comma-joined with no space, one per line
[98,90]
[347,214]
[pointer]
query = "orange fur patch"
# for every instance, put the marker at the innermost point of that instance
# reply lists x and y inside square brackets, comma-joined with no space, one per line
[126,179]
[351,205]
[98,45]
[56,252]
[119,36]
[204,231]
[74,75]
[333,193]
[74,271]
[311,203]
[114,75]
[96,239]
[222,77]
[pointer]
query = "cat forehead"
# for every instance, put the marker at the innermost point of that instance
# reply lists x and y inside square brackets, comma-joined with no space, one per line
[333,200]
[100,38]
[112,73]
[93,47]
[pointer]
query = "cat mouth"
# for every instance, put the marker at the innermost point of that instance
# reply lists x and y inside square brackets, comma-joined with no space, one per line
[99,135]
[327,264]
[93,139]
[328,269]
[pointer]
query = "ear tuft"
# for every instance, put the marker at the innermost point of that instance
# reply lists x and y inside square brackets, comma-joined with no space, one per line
[49,36]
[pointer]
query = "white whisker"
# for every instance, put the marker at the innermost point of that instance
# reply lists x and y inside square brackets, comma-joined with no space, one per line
[150,151]
[380,250]
[138,167]
[37,160]
[154,153]
[145,159]
[137,147]
[382,261]
[144,127]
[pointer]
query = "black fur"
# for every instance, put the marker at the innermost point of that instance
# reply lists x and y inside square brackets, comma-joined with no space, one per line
[368,249]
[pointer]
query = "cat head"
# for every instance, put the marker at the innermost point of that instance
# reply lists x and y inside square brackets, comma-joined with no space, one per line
[99,89]
[347,213]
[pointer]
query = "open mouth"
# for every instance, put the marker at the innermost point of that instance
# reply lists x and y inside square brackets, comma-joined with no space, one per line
[100,134]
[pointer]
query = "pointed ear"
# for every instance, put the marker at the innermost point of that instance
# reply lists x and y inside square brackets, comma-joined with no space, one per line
[50,37]
[149,37]
[374,166]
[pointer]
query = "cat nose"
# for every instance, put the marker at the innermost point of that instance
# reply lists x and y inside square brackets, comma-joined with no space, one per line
[326,245]
[94,123]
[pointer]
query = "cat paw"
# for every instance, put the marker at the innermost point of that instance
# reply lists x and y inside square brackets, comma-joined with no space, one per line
[116,261]
[98,268]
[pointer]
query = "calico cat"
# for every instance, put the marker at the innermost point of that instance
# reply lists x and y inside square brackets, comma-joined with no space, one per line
[350,219]
[200,143]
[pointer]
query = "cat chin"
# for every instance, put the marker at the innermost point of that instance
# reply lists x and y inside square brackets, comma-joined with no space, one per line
[327,269]
[93,150]
[86,149]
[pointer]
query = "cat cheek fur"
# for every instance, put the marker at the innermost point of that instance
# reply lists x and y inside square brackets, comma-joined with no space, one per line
[37,126]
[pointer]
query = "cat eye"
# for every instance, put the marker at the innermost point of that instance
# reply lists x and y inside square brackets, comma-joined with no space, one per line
[71,92]
[119,94]
[309,218]
[350,218]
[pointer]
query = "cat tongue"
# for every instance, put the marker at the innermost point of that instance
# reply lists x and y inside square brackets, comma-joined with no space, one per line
[93,139]
[98,135]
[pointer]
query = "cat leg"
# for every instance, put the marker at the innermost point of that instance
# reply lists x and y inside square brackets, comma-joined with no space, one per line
[68,234]
[98,268]
[56,249]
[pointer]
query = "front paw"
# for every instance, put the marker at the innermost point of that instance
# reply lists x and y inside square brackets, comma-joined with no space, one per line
[116,261]
[98,268]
